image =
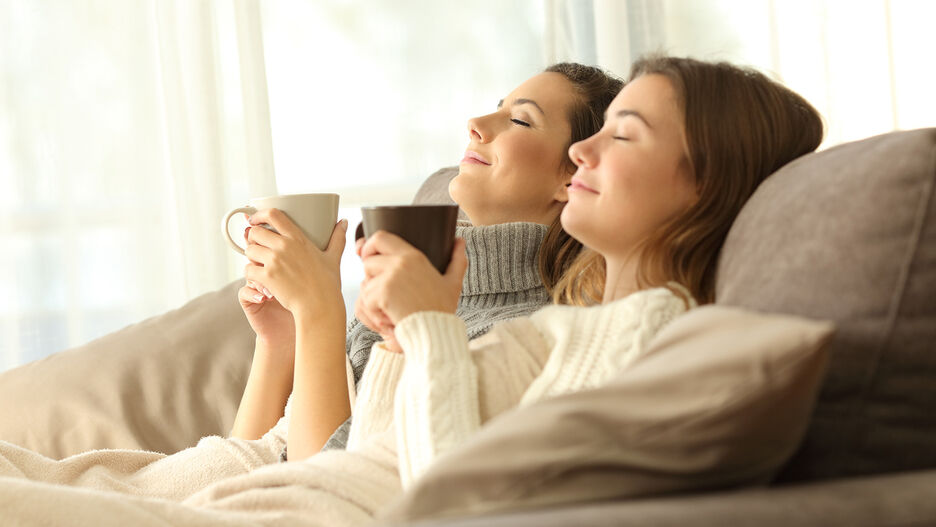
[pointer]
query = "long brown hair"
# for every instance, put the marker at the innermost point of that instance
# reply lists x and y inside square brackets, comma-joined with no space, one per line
[740,127]
[594,91]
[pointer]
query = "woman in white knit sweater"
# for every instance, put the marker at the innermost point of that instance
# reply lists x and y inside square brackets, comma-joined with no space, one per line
[684,145]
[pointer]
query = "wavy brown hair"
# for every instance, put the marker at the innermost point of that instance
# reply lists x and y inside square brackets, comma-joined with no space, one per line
[740,127]
[594,90]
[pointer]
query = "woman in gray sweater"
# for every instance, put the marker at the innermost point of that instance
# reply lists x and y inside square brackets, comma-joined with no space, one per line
[513,242]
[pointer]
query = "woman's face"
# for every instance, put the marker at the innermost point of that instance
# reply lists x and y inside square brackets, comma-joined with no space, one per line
[634,174]
[515,166]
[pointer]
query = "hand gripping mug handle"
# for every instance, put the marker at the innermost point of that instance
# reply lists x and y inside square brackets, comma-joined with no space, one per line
[225,228]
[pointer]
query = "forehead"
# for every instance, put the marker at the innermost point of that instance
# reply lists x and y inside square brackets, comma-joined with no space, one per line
[653,96]
[552,91]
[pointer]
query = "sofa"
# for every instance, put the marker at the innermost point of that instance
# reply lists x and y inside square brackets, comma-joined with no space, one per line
[846,235]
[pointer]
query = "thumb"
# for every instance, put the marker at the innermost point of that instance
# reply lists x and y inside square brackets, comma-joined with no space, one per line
[459,262]
[336,243]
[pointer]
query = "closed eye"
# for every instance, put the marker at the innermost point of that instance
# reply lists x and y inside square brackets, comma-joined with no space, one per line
[521,123]
[621,138]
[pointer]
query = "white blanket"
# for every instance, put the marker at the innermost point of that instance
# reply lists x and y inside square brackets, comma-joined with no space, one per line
[114,487]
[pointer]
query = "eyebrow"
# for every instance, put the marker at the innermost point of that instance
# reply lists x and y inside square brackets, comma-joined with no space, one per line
[630,113]
[523,101]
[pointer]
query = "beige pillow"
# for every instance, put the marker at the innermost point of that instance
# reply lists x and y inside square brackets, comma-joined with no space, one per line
[157,385]
[721,399]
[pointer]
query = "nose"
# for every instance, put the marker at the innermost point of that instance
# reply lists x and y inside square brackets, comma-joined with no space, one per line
[582,153]
[478,130]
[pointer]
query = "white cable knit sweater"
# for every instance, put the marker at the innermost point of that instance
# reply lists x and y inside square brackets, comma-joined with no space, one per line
[442,388]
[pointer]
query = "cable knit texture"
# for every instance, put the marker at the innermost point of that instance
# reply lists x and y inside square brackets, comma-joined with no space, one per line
[502,282]
[446,391]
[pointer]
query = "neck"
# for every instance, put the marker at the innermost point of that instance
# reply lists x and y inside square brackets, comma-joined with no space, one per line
[620,278]
[502,258]
[500,216]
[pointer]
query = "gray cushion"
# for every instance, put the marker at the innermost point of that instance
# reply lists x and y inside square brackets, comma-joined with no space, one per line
[849,234]
[435,189]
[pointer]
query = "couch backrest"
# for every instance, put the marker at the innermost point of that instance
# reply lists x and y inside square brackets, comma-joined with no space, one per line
[435,189]
[849,234]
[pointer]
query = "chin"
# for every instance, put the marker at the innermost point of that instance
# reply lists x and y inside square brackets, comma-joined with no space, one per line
[574,225]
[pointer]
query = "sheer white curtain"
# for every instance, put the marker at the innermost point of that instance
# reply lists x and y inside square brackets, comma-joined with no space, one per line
[865,64]
[126,129]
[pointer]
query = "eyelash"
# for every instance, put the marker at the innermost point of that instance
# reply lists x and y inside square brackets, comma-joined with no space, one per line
[521,123]
[620,138]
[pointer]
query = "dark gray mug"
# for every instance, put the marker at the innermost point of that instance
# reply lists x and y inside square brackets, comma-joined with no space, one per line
[429,228]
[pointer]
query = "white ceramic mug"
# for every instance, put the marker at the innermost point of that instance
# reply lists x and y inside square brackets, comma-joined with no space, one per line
[315,214]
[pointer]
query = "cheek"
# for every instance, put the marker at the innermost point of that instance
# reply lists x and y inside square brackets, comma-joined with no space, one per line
[533,155]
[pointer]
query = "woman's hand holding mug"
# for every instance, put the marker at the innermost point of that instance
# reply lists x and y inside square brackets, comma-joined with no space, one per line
[287,266]
[400,280]
[299,229]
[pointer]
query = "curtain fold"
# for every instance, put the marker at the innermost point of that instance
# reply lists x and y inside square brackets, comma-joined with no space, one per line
[126,130]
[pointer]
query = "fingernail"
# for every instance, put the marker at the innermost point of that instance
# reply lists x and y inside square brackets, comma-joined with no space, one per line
[258,298]
[267,293]
[344,224]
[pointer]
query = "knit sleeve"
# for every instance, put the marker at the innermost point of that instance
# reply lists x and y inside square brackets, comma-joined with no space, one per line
[448,389]
[373,409]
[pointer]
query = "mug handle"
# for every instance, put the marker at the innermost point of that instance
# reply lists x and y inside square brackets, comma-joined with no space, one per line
[225,227]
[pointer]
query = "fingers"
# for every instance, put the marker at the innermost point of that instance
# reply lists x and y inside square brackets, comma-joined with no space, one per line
[336,243]
[254,275]
[365,315]
[375,264]
[258,254]
[278,220]
[358,245]
[264,237]
[368,312]
[391,343]
[384,242]
[249,295]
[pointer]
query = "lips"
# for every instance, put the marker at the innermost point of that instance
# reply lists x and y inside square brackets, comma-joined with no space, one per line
[578,184]
[474,158]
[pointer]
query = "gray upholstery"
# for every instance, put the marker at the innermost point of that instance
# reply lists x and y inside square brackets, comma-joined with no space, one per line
[435,189]
[849,234]
[900,500]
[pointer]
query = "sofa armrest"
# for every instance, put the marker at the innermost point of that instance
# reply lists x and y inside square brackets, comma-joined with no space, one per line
[158,385]
[893,500]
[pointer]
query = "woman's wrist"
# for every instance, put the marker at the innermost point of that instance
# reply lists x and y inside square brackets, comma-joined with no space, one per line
[324,323]
[274,361]
[323,309]
[278,344]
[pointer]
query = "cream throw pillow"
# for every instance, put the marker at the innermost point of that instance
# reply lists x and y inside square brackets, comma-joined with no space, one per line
[159,385]
[722,398]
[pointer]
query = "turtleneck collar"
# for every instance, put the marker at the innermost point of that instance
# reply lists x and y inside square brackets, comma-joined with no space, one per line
[501,258]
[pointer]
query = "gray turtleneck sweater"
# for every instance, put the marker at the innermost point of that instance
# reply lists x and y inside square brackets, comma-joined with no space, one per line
[502,282]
